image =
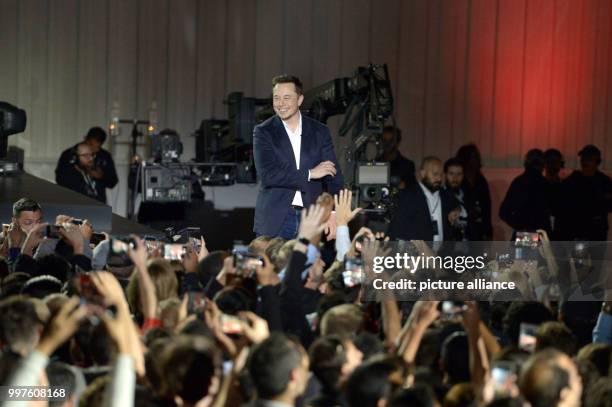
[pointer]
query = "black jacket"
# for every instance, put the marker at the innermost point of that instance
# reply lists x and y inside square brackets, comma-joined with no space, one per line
[280,178]
[526,206]
[585,203]
[411,218]
[67,176]
[479,200]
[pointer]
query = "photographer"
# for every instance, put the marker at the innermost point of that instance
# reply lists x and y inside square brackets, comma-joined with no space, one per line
[87,168]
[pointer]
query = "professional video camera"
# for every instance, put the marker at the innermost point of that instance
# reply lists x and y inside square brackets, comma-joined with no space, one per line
[12,121]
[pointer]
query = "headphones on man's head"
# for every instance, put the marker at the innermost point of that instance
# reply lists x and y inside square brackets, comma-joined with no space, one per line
[74,158]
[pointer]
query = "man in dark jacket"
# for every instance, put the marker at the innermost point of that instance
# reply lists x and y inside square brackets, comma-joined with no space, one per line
[102,170]
[526,206]
[586,199]
[295,160]
[424,211]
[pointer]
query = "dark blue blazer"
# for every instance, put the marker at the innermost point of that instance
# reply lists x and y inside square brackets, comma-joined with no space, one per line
[279,177]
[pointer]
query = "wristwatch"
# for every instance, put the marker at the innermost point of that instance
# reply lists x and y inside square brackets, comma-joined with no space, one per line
[304,241]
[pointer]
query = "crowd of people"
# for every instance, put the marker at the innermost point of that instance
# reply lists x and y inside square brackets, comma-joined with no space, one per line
[123,321]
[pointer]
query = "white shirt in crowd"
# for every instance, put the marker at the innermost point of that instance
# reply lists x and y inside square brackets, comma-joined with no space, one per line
[434,203]
[295,137]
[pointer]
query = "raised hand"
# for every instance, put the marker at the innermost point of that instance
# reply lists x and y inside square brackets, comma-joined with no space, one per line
[343,202]
[311,225]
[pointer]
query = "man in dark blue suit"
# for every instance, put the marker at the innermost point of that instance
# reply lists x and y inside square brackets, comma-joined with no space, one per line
[295,160]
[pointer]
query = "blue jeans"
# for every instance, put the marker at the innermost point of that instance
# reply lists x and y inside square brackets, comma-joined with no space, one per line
[290,226]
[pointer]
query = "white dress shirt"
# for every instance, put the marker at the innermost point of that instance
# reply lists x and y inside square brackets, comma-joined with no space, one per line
[295,137]
[434,203]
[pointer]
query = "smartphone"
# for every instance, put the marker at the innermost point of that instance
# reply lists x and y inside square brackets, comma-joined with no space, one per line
[527,337]
[231,325]
[527,239]
[452,309]
[196,301]
[96,238]
[121,246]
[52,231]
[353,273]
[174,251]
[504,377]
[246,263]
[196,244]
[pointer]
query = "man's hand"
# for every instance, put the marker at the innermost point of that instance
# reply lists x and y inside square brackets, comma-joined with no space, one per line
[255,329]
[139,253]
[86,230]
[310,225]
[190,260]
[343,203]
[323,169]
[424,313]
[453,216]
[16,236]
[73,236]
[33,239]
[203,250]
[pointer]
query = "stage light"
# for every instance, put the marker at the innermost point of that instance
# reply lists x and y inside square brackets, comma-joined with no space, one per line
[12,121]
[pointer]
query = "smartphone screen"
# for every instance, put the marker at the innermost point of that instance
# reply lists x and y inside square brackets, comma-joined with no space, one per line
[504,378]
[527,337]
[173,251]
[231,324]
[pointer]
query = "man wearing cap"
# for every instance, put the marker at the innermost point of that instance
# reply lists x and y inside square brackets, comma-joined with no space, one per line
[587,199]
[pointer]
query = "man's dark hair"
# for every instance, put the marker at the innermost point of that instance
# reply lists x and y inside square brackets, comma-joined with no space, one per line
[96,133]
[556,335]
[210,266]
[11,284]
[590,151]
[271,363]
[54,265]
[61,375]
[530,312]
[542,379]
[552,153]
[395,131]
[600,354]
[299,88]
[232,300]
[369,383]
[19,323]
[429,159]
[41,286]
[466,152]
[419,395]
[327,355]
[452,162]
[534,159]
[25,204]
[93,345]
[455,358]
[189,363]
[600,394]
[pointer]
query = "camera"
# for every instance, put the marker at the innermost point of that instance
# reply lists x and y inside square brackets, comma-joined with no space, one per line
[53,232]
[246,263]
[121,246]
[173,251]
[353,273]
